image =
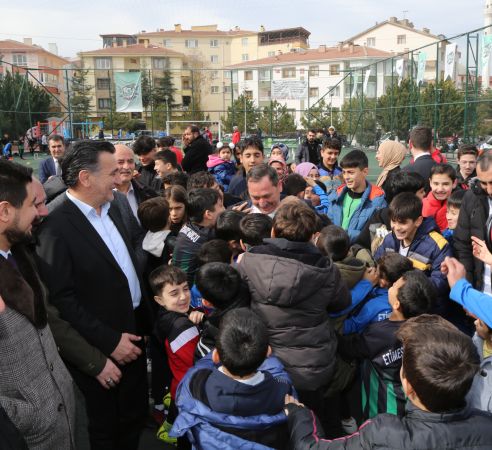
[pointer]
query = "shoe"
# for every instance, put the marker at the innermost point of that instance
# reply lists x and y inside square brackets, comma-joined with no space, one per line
[349,425]
[163,434]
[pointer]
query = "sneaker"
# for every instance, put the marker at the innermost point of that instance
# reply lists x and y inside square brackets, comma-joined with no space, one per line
[349,425]
[163,434]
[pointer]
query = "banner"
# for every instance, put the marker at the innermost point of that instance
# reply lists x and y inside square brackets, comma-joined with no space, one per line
[486,49]
[289,89]
[421,67]
[450,61]
[399,68]
[366,81]
[128,91]
[355,80]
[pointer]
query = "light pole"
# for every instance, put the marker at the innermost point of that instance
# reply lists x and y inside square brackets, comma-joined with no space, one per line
[245,119]
[331,109]
[166,97]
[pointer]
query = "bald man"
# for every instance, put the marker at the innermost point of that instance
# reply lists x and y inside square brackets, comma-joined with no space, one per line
[135,191]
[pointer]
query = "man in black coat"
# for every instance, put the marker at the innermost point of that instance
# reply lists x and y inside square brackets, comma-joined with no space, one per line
[309,149]
[90,269]
[196,152]
[421,147]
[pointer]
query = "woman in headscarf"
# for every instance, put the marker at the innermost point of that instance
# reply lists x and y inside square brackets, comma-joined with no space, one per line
[280,166]
[307,169]
[390,155]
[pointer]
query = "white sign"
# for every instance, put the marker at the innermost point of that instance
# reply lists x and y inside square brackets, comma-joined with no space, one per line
[289,89]
[399,69]
[421,67]
[366,80]
[450,62]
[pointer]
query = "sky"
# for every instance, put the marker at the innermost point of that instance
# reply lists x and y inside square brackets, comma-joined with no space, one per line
[75,25]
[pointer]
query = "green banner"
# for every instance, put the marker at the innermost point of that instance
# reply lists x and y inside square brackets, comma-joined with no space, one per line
[421,67]
[128,91]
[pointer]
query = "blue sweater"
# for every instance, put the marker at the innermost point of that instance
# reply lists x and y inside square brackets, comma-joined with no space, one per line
[478,303]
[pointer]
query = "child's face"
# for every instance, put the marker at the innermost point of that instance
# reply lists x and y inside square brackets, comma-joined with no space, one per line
[441,186]
[482,330]
[310,195]
[467,164]
[355,178]
[176,211]
[313,174]
[452,215]
[175,297]
[251,157]
[405,231]
[277,153]
[330,156]
[393,293]
[225,153]
[212,215]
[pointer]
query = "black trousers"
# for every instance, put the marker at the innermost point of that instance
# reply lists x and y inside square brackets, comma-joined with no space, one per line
[116,416]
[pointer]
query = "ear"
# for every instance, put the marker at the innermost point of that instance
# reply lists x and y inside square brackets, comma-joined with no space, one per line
[241,243]
[269,351]
[272,233]
[207,304]
[215,356]
[159,300]
[84,178]
[396,306]
[419,221]
[455,183]
[365,171]
[6,210]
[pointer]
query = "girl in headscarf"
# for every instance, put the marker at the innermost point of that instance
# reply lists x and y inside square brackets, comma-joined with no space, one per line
[307,169]
[390,155]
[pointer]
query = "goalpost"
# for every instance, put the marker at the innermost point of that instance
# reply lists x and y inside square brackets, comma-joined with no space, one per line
[214,125]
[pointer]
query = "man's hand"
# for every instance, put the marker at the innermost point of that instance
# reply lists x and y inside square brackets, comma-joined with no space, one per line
[372,275]
[480,251]
[126,352]
[2,305]
[453,269]
[110,376]
[196,317]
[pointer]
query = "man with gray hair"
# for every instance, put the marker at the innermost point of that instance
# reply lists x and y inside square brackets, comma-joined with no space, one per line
[264,189]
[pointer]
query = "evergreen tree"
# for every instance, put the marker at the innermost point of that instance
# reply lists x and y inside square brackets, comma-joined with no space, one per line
[163,88]
[317,116]
[235,115]
[277,119]
[80,96]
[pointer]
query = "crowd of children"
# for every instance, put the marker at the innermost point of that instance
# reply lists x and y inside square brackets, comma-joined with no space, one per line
[341,307]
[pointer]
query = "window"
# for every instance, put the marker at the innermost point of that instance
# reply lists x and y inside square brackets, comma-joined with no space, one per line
[371,42]
[214,89]
[401,39]
[186,100]
[191,43]
[289,72]
[244,42]
[167,43]
[185,84]
[248,75]
[102,83]
[227,74]
[248,94]
[335,69]
[270,54]
[245,57]
[314,92]
[214,43]
[214,74]
[264,74]
[292,112]
[136,115]
[103,63]
[214,59]
[159,63]
[336,92]
[19,59]
[227,89]
[314,71]
[104,103]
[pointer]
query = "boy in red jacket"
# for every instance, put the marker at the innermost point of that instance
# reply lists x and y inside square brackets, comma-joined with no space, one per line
[442,182]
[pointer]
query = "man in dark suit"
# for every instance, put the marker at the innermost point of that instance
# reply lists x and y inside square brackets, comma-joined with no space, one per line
[196,151]
[421,147]
[50,167]
[91,272]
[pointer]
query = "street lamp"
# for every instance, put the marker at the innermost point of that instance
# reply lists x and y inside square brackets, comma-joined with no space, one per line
[245,130]
[331,109]
[166,97]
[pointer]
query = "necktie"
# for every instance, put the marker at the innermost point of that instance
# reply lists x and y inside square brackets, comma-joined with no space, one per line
[57,168]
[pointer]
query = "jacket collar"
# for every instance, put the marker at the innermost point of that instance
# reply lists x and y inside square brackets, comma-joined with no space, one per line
[414,413]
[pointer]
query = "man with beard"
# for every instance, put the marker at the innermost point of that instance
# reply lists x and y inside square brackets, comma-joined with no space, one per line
[196,151]
[36,390]
[309,149]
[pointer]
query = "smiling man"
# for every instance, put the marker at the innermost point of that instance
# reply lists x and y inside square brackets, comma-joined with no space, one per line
[353,203]
[264,189]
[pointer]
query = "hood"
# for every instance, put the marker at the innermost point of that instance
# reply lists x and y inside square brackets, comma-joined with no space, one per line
[287,273]
[214,160]
[428,225]
[434,202]
[351,270]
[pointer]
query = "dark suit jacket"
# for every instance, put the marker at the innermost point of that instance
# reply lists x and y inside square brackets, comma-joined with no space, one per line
[422,166]
[46,169]
[196,156]
[83,278]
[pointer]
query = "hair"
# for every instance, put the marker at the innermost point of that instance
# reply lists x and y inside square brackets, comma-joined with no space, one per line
[144,145]
[201,200]
[321,185]
[439,361]
[485,161]
[219,283]
[294,184]
[405,206]
[334,242]
[333,144]
[83,155]
[294,221]
[193,128]
[166,141]
[354,159]
[242,342]
[163,275]
[176,179]
[253,141]
[177,194]
[254,228]
[392,266]
[201,180]
[56,138]
[456,198]
[405,181]
[312,130]
[154,214]
[14,179]
[168,156]
[444,169]
[227,226]
[215,250]
[467,149]
[421,138]
[416,295]
[260,171]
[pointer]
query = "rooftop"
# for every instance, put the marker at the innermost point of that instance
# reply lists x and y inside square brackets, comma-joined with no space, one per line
[133,50]
[9,45]
[197,31]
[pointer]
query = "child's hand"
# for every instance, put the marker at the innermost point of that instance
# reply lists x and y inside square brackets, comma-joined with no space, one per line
[480,250]
[196,317]
[310,181]
[242,207]
[291,400]
[371,274]
[482,330]
[453,269]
